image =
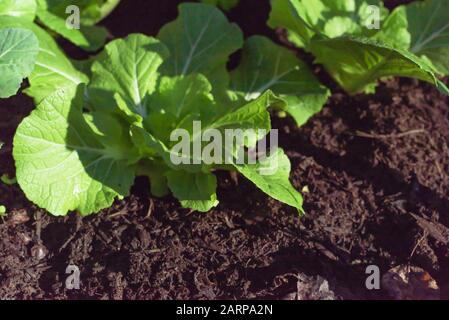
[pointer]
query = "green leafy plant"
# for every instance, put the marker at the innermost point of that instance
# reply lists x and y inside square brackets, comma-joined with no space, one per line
[18,53]
[422,28]
[336,32]
[68,158]
[54,14]
[53,70]
[202,40]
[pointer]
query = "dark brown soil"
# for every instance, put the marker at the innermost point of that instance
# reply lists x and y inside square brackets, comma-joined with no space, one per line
[368,161]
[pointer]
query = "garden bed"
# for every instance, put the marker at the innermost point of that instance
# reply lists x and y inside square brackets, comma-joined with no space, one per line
[371,165]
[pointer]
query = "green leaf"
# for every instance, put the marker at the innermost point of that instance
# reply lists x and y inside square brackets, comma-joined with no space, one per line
[96,10]
[53,70]
[200,41]
[224,4]
[156,171]
[251,115]
[267,66]
[18,52]
[90,38]
[196,191]
[25,9]
[358,63]
[178,101]
[394,31]
[296,18]
[327,18]
[127,68]
[149,146]
[62,164]
[271,175]
[428,25]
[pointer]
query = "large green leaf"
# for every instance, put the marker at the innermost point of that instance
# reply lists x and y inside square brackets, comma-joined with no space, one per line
[127,68]
[297,18]
[329,18]
[88,37]
[194,190]
[200,40]
[267,66]
[25,9]
[53,70]
[428,25]
[356,64]
[62,164]
[18,52]
[271,175]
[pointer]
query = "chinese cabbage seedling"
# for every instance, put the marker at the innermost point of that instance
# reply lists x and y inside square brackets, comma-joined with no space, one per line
[422,27]
[202,40]
[69,157]
[338,33]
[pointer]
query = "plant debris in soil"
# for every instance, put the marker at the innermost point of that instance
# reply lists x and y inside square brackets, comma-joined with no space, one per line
[373,170]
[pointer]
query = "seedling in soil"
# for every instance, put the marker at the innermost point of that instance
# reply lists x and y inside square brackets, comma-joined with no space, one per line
[264,65]
[18,53]
[411,41]
[83,146]
[69,159]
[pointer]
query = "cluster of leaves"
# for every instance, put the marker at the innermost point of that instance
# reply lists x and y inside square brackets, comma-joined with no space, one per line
[94,131]
[412,41]
[84,144]
[18,53]
[27,50]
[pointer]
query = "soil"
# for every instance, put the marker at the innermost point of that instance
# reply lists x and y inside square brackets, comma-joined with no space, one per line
[371,166]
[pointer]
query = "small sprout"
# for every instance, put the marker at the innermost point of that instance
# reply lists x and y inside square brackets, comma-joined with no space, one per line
[2,211]
[7,180]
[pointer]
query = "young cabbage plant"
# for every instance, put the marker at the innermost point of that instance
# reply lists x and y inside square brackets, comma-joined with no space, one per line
[202,40]
[421,27]
[18,52]
[52,69]
[80,151]
[358,42]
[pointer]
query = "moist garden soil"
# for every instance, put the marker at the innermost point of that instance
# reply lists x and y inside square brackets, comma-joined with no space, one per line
[371,168]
